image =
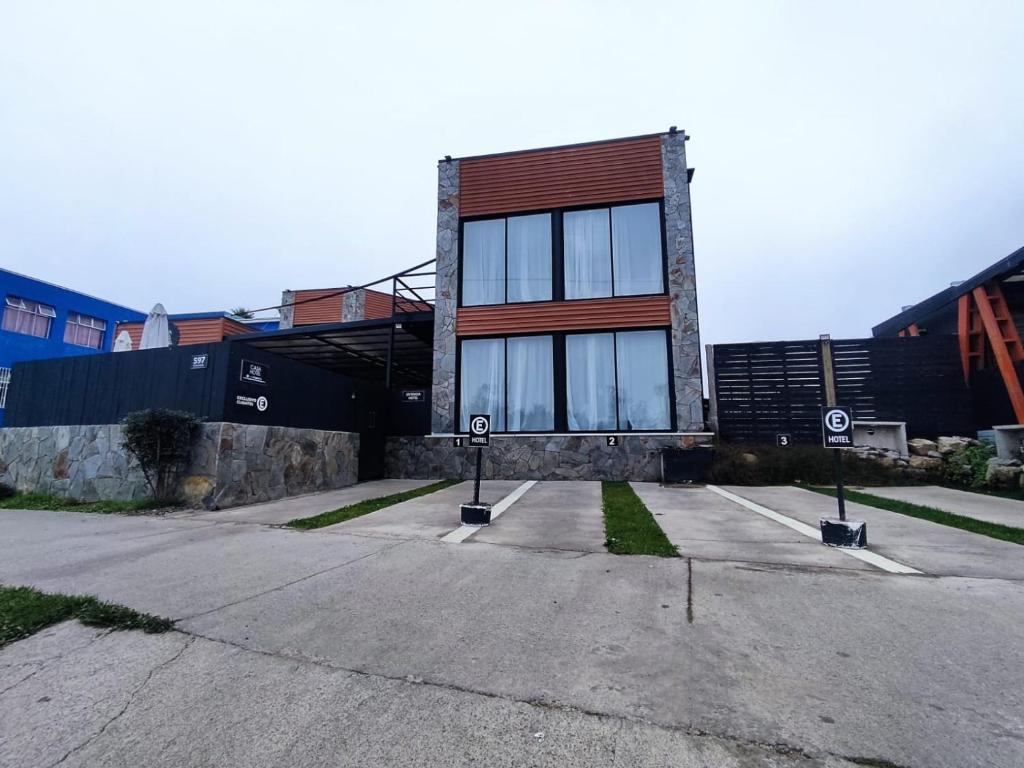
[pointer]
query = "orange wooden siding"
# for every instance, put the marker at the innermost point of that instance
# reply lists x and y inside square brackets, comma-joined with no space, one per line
[196,331]
[579,315]
[325,310]
[610,172]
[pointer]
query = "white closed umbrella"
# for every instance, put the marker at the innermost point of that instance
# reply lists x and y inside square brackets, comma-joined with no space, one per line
[156,333]
[123,342]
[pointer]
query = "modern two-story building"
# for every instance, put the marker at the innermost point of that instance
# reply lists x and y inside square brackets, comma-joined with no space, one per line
[42,320]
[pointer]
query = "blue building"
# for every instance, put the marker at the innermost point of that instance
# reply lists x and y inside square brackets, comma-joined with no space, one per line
[42,320]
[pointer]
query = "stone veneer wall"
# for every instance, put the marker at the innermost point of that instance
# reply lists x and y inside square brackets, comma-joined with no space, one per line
[287,310]
[446,297]
[231,464]
[353,306]
[682,284]
[540,457]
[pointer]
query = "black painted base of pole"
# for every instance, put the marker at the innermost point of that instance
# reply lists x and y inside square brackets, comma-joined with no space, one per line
[852,534]
[476,514]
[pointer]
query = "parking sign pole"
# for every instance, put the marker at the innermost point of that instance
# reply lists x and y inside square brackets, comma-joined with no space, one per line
[839,482]
[476,482]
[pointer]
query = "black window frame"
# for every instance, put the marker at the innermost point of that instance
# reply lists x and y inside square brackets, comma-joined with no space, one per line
[558,251]
[559,379]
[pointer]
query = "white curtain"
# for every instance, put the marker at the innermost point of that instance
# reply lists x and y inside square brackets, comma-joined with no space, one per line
[590,381]
[483,262]
[643,380]
[529,258]
[588,269]
[482,387]
[531,387]
[636,245]
[26,321]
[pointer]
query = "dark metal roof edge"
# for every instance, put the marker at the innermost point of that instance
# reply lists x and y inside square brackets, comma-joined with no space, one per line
[305,330]
[940,300]
[562,146]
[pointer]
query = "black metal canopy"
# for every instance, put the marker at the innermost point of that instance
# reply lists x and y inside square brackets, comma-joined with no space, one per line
[395,350]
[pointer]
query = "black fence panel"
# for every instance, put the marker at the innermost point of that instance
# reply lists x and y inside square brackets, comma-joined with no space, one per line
[765,389]
[217,382]
[101,389]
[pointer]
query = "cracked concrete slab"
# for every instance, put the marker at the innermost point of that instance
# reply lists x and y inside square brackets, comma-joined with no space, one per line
[705,525]
[562,514]
[822,661]
[980,506]
[285,510]
[932,548]
[173,700]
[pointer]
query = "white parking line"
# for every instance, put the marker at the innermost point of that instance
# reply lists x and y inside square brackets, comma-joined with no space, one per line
[463,532]
[871,558]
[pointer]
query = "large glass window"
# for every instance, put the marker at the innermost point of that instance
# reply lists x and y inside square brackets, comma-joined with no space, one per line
[617,381]
[483,262]
[28,317]
[642,366]
[84,331]
[529,258]
[590,381]
[512,380]
[483,381]
[588,266]
[636,249]
[531,390]
[613,251]
[506,260]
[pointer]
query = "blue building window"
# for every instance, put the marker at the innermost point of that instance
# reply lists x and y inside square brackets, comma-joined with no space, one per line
[28,317]
[84,331]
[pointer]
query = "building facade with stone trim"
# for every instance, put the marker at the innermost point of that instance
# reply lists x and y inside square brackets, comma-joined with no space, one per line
[566,295]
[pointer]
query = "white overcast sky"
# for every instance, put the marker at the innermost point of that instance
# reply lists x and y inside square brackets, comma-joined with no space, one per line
[850,157]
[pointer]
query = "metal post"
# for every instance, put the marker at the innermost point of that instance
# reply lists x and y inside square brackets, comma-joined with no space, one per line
[476,482]
[391,354]
[839,482]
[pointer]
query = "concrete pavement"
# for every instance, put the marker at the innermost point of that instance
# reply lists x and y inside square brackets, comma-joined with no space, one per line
[552,515]
[338,647]
[980,506]
[931,548]
[285,510]
[703,524]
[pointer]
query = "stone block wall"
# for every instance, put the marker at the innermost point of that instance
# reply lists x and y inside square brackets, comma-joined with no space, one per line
[446,294]
[682,284]
[231,464]
[538,457]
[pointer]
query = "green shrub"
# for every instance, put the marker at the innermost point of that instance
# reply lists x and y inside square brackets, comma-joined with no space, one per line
[757,464]
[161,440]
[967,467]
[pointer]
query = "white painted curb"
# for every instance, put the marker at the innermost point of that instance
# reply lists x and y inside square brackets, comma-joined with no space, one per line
[871,558]
[463,532]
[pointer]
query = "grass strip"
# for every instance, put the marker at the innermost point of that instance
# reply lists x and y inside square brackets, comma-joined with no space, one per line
[366,507]
[43,501]
[25,611]
[940,516]
[629,527]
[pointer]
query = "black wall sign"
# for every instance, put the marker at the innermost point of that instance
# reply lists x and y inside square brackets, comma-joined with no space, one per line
[255,373]
[414,395]
[200,361]
[479,430]
[836,426]
[783,441]
[612,441]
[458,441]
[260,403]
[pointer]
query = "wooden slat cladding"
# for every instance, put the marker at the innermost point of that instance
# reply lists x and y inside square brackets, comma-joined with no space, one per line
[601,173]
[579,315]
[326,310]
[202,330]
